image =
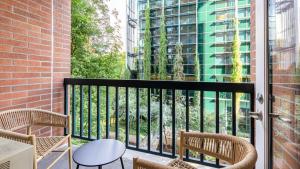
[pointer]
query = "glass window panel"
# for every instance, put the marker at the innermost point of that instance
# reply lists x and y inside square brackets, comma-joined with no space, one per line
[172,30]
[187,1]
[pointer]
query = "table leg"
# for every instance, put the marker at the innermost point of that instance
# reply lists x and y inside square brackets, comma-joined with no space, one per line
[77,166]
[100,167]
[122,162]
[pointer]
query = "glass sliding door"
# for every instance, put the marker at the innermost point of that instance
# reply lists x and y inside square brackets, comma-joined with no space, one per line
[284,83]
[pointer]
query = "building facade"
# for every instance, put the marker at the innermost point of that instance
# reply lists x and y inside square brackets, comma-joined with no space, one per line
[181,26]
[131,33]
[216,32]
[205,28]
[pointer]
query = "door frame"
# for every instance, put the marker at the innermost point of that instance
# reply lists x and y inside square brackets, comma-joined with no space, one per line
[269,154]
[261,126]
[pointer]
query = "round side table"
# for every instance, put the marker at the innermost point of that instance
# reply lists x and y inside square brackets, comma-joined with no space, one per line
[98,153]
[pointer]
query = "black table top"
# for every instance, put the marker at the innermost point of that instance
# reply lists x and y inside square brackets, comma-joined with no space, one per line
[99,152]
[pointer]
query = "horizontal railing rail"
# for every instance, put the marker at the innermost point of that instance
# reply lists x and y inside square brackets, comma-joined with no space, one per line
[166,95]
[178,85]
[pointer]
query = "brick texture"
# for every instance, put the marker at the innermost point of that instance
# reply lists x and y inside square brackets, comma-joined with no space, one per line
[34,54]
[285,85]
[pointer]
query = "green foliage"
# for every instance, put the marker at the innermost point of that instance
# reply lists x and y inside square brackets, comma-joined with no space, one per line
[95,51]
[96,54]
[236,75]
[197,78]
[178,63]
[95,46]
[127,74]
[162,47]
[147,45]
[83,27]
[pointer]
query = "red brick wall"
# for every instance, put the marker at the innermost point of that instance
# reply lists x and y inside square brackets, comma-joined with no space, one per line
[62,46]
[34,53]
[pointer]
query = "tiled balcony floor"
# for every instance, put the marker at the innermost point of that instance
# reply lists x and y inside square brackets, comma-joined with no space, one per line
[127,158]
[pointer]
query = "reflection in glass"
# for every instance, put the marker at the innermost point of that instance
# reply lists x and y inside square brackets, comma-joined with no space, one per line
[284,81]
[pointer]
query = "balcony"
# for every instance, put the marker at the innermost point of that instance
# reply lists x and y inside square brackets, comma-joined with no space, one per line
[147,116]
[102,108]
[89,122]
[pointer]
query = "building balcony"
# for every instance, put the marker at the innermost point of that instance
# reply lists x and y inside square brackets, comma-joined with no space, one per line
[226,9]
[144,115]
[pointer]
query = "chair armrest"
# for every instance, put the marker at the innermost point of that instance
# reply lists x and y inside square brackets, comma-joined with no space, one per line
[28,139]
[48,118]
[140,163]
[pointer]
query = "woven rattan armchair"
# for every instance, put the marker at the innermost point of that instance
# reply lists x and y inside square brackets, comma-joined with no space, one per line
[234,150]
[13,120]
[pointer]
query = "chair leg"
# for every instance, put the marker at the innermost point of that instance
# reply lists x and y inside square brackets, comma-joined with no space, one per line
[34,160]
[34,164]
[70,152]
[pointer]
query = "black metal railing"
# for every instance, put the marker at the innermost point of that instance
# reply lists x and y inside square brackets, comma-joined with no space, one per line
[99,93]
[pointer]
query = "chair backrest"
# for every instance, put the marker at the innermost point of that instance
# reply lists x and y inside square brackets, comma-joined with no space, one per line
[15,119]
[234,150]
[19,118]
[144,164]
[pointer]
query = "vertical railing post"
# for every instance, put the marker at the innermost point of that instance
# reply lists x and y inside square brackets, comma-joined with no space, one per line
[187,118]
[149,119]
[217,118]
[217,112]
[234,113]
[161,121]
[81,111]
[252,121]
[98,113]
[73,110]
[137,118]
[117,113]
[202,118]
[89,112]
[107,113]
[173,123]
[126,118]
[66,103]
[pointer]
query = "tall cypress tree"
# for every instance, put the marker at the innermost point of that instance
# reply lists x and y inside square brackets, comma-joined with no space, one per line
[197,77]
[162,47]
[147,45]
[236,75]
[237,65]
[178,64]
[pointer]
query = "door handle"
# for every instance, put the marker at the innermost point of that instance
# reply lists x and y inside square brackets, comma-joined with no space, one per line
[256,115]
[274,115]
[280,117]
